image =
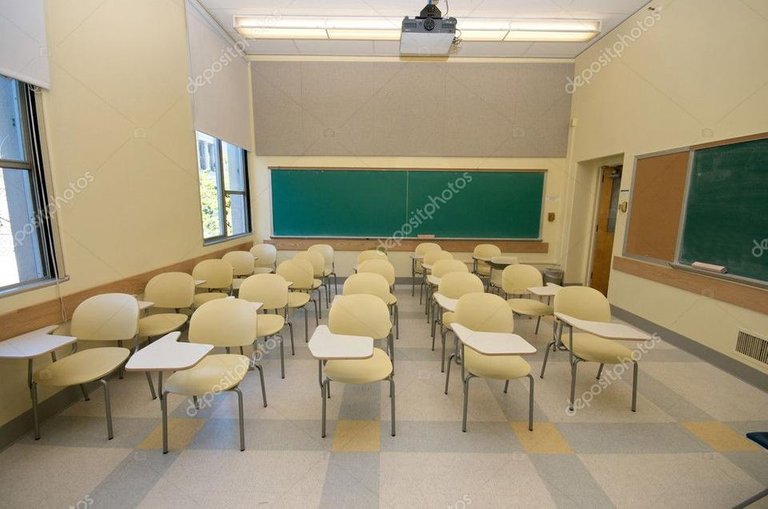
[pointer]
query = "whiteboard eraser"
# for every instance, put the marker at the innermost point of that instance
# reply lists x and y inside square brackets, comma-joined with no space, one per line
[425,236]
[710,267]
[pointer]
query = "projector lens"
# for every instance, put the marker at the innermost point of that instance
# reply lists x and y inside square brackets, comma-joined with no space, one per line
[429,24]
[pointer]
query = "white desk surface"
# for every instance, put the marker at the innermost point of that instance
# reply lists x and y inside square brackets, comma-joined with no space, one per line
[325,345]
[607,330]
[445,302]
[34,343]
[427,266]
[481,258]
[498,262]
[433,280]
[256,305]
[145,304]
[545,291]
[167,354]
[493,343]
[417,257]
[199,282]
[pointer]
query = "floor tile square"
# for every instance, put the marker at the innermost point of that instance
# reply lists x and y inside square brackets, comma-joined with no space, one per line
[181,432]
[357,436]
[721,437]
[544,439]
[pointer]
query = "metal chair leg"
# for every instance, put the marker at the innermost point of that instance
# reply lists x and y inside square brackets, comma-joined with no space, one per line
[242,418]
[392,403]
[600,370]
[35,416]
[466,399]
[530,403]
[306,324]
[151,385]
[448,372]
[573,383]
[443,332]
[506,386]
[546,357]
[317,313]
[397,321]
[634,387]
[164,409]
[88,398]
[282,356]
[290,329]
[261,379]
[322,395]
[538,321]
[108,407]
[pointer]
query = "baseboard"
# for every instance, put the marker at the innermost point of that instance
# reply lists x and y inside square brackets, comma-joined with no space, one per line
[22,424]
[728,364]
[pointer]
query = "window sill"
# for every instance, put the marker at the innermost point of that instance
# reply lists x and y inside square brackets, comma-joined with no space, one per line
[220,240]
[26,287]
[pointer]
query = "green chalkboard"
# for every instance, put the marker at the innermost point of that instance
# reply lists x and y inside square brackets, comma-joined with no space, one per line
[726,216]
[406,203]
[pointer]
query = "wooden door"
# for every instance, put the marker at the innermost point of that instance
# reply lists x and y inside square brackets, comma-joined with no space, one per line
[605,226]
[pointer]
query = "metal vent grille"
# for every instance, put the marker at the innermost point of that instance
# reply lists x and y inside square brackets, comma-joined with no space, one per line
[752,346]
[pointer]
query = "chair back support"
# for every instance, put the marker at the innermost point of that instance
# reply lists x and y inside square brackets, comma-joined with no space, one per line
[516,279]
[485,312]
[223,322]
[266,255]
[371,254]
[269,289]
[171,290]
[106,317]
[486,251]
[455,284]
[360,315]
[443,267]
[425,247]
[430,257]
[367,283]
[382,267]
[328,254]
[317,260]
[241,261]
[217,274]
[583,302]
[298,271]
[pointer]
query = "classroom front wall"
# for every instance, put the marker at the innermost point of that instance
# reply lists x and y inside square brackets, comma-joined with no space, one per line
[676,84]
[555,184]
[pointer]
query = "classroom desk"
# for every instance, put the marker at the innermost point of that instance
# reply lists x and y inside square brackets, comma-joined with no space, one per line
[607,330]
[144,304]
[415,258]
[498,263]
[548,291]
[199,282]
[30,345]
[493,343]
[444,302]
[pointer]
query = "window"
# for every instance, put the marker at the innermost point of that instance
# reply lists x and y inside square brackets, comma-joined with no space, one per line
[26,230]
[223,188]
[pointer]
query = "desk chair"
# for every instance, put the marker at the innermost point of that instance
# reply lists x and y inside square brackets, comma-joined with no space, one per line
[360,315]
[589,304]
[439,269]
[495,277]
[416,269]
[515,280]
[265,258]
[371,254]
[242,266]
[170,290]
[330,263]
[481,268]
[761,439]
[385,269]
[430,257]
[299,272]
[317,260]
[454,285]
[218,280]
[487,312]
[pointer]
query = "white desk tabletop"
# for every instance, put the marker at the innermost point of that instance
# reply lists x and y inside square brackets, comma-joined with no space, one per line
[417,257]
[433,280]
[609,330]
[199,282]
[545,291]
[145,304]
[34,343]
[427,266]
[325,345]
[481,258]
[167,354]
[256,305]
[493,343]
[501,261]
[445,302]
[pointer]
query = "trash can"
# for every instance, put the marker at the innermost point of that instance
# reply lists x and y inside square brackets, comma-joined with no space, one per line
[553,275]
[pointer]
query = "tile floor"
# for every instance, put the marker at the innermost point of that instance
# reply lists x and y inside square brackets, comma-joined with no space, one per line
[684,447]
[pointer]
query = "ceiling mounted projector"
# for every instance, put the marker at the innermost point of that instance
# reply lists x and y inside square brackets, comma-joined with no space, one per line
[428,34]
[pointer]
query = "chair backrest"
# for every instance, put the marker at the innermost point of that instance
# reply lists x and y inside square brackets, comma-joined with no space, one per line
[382,267]
[485,312]
[360,315]
[583,302]
[241,261]
[443,267]
[106,317]
[371,254]
[455,284]
[297,271]
[217,274]
[497,276]
[328,254]
[430,257]
[486,251]
[171,290]
[425,247]
[265,255]
[269,289]
[368,283]
[317,260]
[516,279]
[224,322]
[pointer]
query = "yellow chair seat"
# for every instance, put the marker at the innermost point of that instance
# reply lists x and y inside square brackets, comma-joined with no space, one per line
[360,371]
[500,367]
[297,299]
[593,348]
[327,272]
[201,298]
[316,283]
[160,324]
[82,367]
[215,373]
[530,307]
[263,270]
[267,325]
[448,318]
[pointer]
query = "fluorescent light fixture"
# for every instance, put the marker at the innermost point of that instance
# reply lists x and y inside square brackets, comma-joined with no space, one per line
[386,29]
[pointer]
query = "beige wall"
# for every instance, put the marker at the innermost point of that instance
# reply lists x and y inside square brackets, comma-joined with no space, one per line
[696,74]
[555,188]
[118,110]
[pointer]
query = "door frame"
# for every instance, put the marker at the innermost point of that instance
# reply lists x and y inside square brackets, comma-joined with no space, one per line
[598,176]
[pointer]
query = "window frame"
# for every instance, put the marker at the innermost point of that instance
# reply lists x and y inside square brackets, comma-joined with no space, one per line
[222,192]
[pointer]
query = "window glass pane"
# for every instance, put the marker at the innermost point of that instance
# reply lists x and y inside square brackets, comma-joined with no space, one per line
[11,129]
[208,160]
[236,214]
[234,167]
[20,249]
